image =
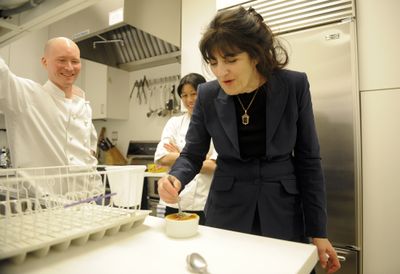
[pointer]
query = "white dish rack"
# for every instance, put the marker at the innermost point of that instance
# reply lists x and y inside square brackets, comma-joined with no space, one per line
[53,207]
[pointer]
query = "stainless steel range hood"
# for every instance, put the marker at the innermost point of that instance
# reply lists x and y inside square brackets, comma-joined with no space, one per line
[130,34]
[128,48]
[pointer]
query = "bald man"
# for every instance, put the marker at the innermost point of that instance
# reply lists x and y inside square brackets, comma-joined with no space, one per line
[50,124]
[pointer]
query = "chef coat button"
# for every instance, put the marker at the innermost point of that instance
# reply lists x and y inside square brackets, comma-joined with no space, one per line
[73,117]
[85,141]
[71,158]
[70,139]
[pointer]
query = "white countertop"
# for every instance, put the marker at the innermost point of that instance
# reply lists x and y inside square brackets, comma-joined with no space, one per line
[154,174]
[146,249]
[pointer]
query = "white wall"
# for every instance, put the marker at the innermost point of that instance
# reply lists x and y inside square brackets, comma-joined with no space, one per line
[196,14]
[23,58]
[228,3]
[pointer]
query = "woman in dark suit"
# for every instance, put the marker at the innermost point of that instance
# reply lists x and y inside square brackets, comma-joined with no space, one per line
[269,179]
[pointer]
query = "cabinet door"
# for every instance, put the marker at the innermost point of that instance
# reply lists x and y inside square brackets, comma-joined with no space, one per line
[378,44]
[117,94]
[94,83]
[380,114]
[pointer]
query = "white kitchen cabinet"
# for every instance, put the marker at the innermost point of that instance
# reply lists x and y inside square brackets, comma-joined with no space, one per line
[94,83]
[107,89]
[378,43]
[380,114]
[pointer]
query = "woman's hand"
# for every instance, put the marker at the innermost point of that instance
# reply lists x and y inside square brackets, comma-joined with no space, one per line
[327,255]
[168,188]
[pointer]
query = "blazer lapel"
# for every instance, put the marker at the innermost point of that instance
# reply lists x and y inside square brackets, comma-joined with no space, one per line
[226,111]
[276,102]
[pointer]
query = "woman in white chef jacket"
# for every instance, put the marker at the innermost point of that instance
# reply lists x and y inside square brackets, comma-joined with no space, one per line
[194,195]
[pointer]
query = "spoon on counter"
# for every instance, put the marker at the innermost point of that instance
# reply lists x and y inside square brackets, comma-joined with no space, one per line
[196,263]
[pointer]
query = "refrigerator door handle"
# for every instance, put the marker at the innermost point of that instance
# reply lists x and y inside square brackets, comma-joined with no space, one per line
[342,255]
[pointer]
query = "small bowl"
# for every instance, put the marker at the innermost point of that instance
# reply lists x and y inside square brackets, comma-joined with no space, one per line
[181,227]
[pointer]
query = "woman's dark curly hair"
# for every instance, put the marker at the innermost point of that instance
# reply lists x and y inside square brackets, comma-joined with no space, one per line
[239,30]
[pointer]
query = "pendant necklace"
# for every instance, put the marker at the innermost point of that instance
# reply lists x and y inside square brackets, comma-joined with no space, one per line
[245,116]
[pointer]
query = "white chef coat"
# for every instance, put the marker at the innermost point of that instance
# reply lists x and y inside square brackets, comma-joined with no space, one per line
[194,195]
[43,127]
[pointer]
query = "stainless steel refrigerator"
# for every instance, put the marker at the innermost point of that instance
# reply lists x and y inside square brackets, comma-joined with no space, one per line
[327,55]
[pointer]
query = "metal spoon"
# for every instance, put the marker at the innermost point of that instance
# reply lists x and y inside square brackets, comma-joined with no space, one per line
[196,263]
[179,206]
[181,214]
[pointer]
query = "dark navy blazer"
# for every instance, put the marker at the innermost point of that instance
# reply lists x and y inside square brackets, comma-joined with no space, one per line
[286,186]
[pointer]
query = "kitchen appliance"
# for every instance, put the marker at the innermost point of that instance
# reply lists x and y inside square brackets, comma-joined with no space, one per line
[142,153]
[326,55]
[321,41]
